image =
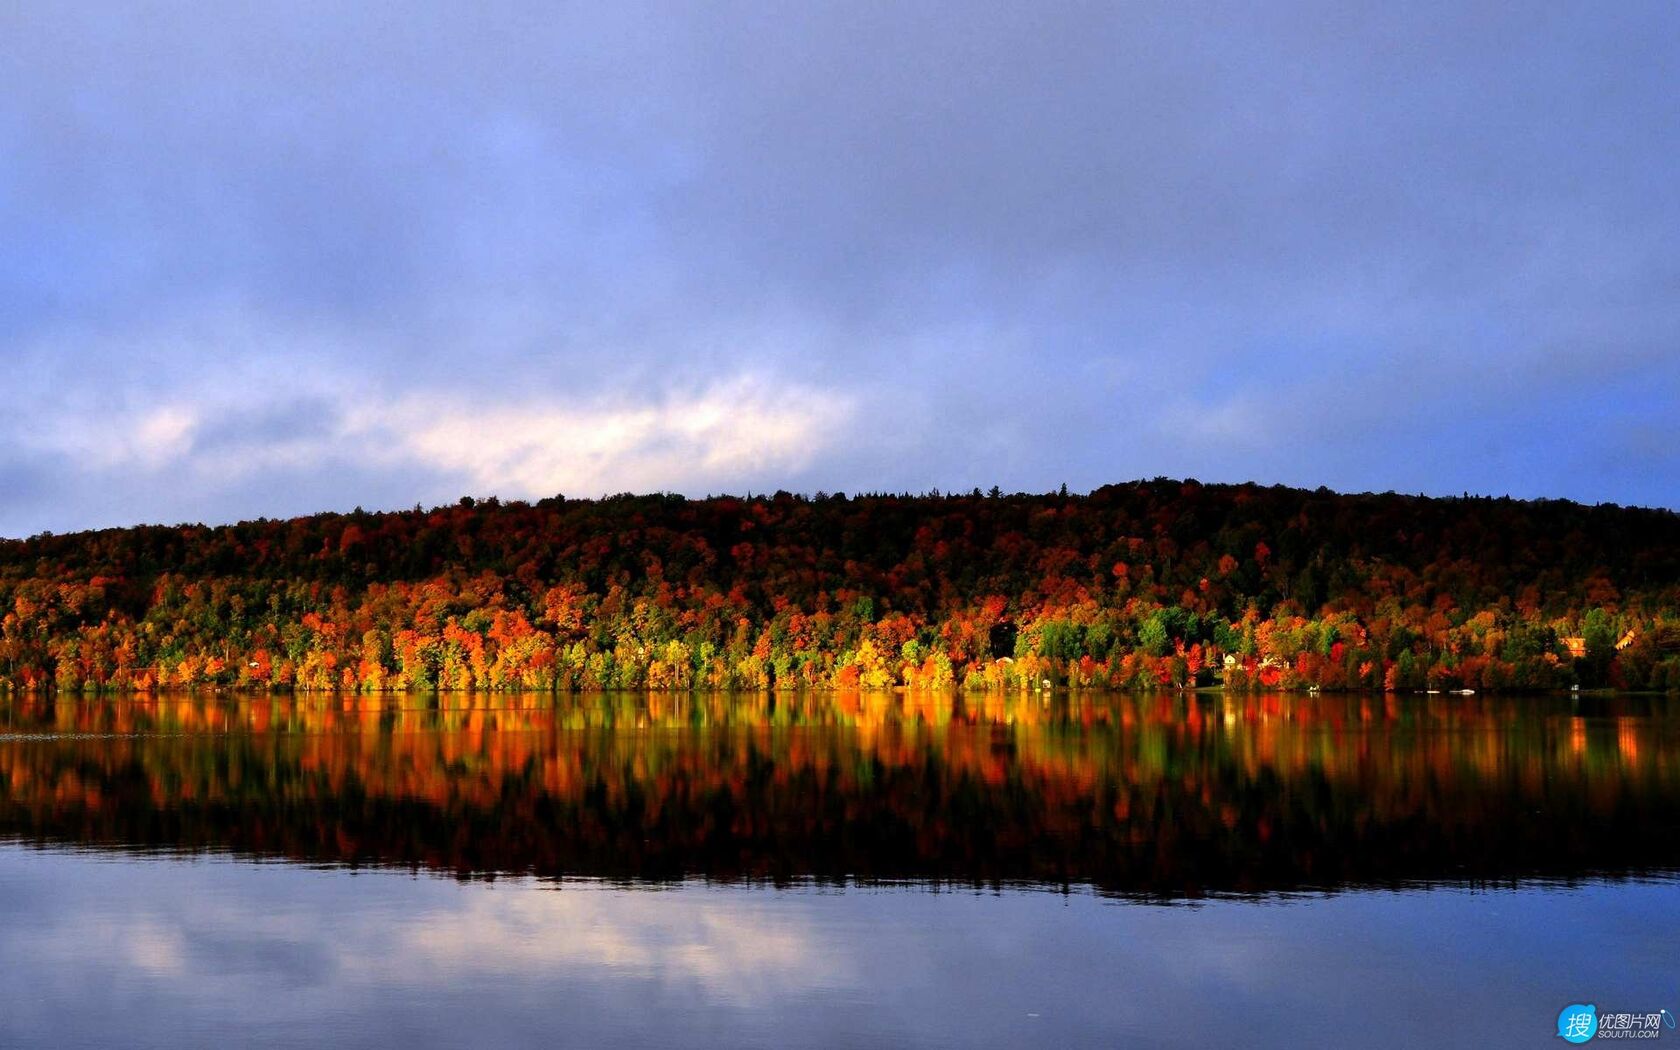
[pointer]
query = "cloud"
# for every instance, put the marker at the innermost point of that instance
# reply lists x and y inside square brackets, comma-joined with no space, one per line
[214,438]
[148,439]
[722,435]
[1025,246]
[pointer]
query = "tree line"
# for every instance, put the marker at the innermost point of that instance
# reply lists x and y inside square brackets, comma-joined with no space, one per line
[1159,584]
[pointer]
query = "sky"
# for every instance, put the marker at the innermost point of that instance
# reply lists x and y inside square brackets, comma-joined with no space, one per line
[267,259]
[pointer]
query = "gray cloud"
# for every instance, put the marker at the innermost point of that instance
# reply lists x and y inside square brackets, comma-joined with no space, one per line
[1426,247]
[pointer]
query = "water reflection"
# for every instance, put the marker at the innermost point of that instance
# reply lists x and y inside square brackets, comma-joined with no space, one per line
[106,949]
[1164,797]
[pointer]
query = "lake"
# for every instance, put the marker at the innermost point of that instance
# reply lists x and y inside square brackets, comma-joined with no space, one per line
[852,870]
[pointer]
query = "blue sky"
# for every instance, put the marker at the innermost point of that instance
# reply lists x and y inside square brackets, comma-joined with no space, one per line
[266,259]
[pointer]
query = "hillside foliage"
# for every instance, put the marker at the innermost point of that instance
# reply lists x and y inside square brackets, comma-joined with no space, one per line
[1158,584]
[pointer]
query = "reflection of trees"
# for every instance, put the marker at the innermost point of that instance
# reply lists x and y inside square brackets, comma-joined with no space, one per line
[1154,794]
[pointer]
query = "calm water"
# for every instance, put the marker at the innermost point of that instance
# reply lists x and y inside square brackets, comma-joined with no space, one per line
[1087,871]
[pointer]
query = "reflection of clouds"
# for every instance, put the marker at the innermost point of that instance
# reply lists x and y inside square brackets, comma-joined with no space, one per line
[149,944]
[724,943]
[211,924]
[174,939]
[171,952]
[156,949]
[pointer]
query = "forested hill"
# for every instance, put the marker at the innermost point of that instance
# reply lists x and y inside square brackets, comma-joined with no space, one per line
[1154,584]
